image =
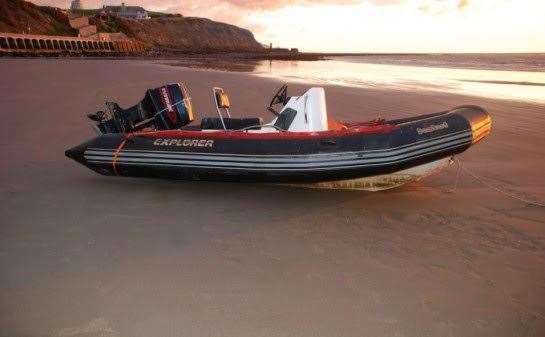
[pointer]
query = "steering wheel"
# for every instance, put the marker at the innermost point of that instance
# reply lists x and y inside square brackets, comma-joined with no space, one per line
[280,97]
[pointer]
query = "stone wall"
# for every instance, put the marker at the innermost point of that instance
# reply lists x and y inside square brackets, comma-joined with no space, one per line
[23,44]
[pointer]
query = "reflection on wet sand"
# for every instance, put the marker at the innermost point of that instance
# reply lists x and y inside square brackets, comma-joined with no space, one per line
[217,64]
[508,82]
[516,77]
[504,84]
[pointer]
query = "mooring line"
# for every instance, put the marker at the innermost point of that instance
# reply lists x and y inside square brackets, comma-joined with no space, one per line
[496,188]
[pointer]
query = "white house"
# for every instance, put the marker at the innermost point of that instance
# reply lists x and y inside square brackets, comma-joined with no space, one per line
[131,12]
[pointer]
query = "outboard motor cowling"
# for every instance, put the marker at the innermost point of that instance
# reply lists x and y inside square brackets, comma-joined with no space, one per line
[164,108]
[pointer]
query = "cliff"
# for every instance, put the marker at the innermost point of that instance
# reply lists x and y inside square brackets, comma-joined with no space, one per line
[186,34]
[18,16]
[164,32]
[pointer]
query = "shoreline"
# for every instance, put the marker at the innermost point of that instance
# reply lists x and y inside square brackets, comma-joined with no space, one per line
[162,54]
[526,62]
[287,55]
[214,62]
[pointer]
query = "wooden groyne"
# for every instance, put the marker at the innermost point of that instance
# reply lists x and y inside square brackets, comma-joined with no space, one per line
[28,45]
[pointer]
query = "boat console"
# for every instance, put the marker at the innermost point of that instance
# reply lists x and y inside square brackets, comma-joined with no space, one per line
[305,113]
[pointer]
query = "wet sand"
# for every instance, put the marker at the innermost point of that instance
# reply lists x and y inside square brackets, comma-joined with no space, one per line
[86,255]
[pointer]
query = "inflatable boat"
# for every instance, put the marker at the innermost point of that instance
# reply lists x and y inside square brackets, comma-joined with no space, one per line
[302,144]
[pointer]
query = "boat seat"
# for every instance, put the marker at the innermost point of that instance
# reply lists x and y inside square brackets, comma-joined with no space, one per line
[214,123]
[285,118]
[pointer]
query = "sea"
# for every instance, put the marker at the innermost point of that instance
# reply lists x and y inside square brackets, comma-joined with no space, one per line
[519,77]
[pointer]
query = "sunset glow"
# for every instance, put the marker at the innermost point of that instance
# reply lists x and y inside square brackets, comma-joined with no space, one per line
[373,25]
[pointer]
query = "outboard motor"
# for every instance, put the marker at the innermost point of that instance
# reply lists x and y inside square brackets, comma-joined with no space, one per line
[164,108]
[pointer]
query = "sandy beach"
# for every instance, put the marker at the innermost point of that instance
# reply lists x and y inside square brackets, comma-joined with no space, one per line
[82,255]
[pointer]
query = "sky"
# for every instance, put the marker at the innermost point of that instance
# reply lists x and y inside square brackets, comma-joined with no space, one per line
[390,26]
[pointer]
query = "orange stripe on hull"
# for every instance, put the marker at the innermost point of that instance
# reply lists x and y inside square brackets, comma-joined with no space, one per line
[481,129]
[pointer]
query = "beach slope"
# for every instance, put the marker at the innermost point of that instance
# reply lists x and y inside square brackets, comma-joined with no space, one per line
[87,255]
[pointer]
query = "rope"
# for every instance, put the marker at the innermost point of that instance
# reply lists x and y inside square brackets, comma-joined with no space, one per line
[496,188]
[116,154]
[457,180]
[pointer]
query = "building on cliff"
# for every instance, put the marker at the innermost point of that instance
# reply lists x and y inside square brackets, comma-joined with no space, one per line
[131,12]
[76,5]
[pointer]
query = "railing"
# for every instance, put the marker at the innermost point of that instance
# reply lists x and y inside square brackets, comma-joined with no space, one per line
[23,44]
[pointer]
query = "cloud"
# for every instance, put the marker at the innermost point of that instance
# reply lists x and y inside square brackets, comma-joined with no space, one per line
[386,2]
[234,12]
[246,4]
[438,7]
[230,11]
[275,4]
[209,4]
[463,4]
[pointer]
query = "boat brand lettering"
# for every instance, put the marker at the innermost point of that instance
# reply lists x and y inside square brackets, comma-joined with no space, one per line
[170,112]
[432,128]
[184,142]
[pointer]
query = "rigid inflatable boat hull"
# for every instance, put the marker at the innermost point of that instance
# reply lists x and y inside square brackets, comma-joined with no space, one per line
[384,181]
[291,157]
